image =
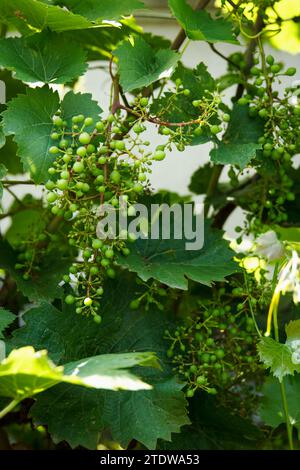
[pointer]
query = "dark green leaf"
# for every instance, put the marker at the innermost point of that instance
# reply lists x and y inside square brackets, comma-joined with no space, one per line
[140,65]
[103,9]
[169,262]
[6,318]
[240,141]
[199,25]
[46,57]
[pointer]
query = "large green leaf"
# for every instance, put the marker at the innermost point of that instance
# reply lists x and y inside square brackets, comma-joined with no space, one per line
[140,65]
[240,141]
[169,262]
[6,318]
[199,25]
[80,415]
[25,224]
[277,357]
[282,359]
[32,124]
[271,409]
[26,372]
[32,15]
[102,9]
[46,57]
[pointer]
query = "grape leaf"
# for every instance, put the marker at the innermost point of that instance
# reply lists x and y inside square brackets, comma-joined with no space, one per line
[102,9]
[240,140]
[6,318]
[79,416]
[271,409]
[169,262]
[73,102]
[199,25]
[277,357]
[200,179]
[140,65]
[46,57]
[26,372]
[24,223]
[32,124]
[44,284]
[292,331]
[32,15]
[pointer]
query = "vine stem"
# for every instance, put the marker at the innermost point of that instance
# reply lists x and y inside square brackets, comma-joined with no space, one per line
[9,408]
[289,427]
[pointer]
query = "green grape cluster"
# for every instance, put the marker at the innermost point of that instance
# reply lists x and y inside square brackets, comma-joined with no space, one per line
[216,348]
[280,142]
[92,166]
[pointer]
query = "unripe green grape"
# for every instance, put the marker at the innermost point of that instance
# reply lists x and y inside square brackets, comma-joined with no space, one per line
[97,244]
[62,184]
[142,177]
[226,117]
[111,273]
[102,189]
[105,263]
[50,185]
[53,150]
[94,270]
[51,197]
[115,177]
[81,151]
[54,136]
[166,131]
[111,118]
[70,300]
[55,210]
[186,92]
[67,158]
[85,187]
[190,393]
[88,121]
[97,319]
[134,304]
[126,251]
[99,179]
[102,160]
[291,71]
[120,145]
[88,302]
[87,254]
[215,129]
[270,60]
[196,103]
[63,143]
[65,175]
[275,68]
[198,131]
[138,188]
[100,126]
[84,138]
[263,113]
[138,128]
[109,253]
[242,101]
[159,155]
[57,121]
[220,353]
[78,167]
[144,102]
[73,207]
[201,380]
[131,237]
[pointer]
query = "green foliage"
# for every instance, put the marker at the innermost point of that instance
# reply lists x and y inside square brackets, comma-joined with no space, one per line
[240,142]
[103,10]
[47,57]
[6,318]
[168,262]
[199,25]
[140,65]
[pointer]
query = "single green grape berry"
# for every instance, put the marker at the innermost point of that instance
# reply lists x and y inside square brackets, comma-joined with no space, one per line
[138,128]
[55,210]
[120,145]
[215,129]
[138,188]
[51,197]
[134,304]
[126,251]
[100,126]
[94,270]
[196,103]
[270,60]
[290,196]
[84,138]
[205,357]
[53,150]
[166,131]
[242,101]
[115,130]
[220,353]
[62,184]
[226,117]
[78,167]
[291,71]
[263,113]
[91,149]
[100,291]
[87,254]
[255,71]
[97,244]
[115,177]
[65,175]
[81,151]
[73,207]
[142,177]
[88,302]
[63,144]
[102,160]
[198,131]
[159,155]
[97,319]
[88,121]
[50,185]
[186,92]
[103,150]
[67,158]
[54,136]
[111,118]
[85,187]
[57,121]
[144,102]
[109,253]
[70,299]
[275,68]
[201,380]
[51,170]
[111,273]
